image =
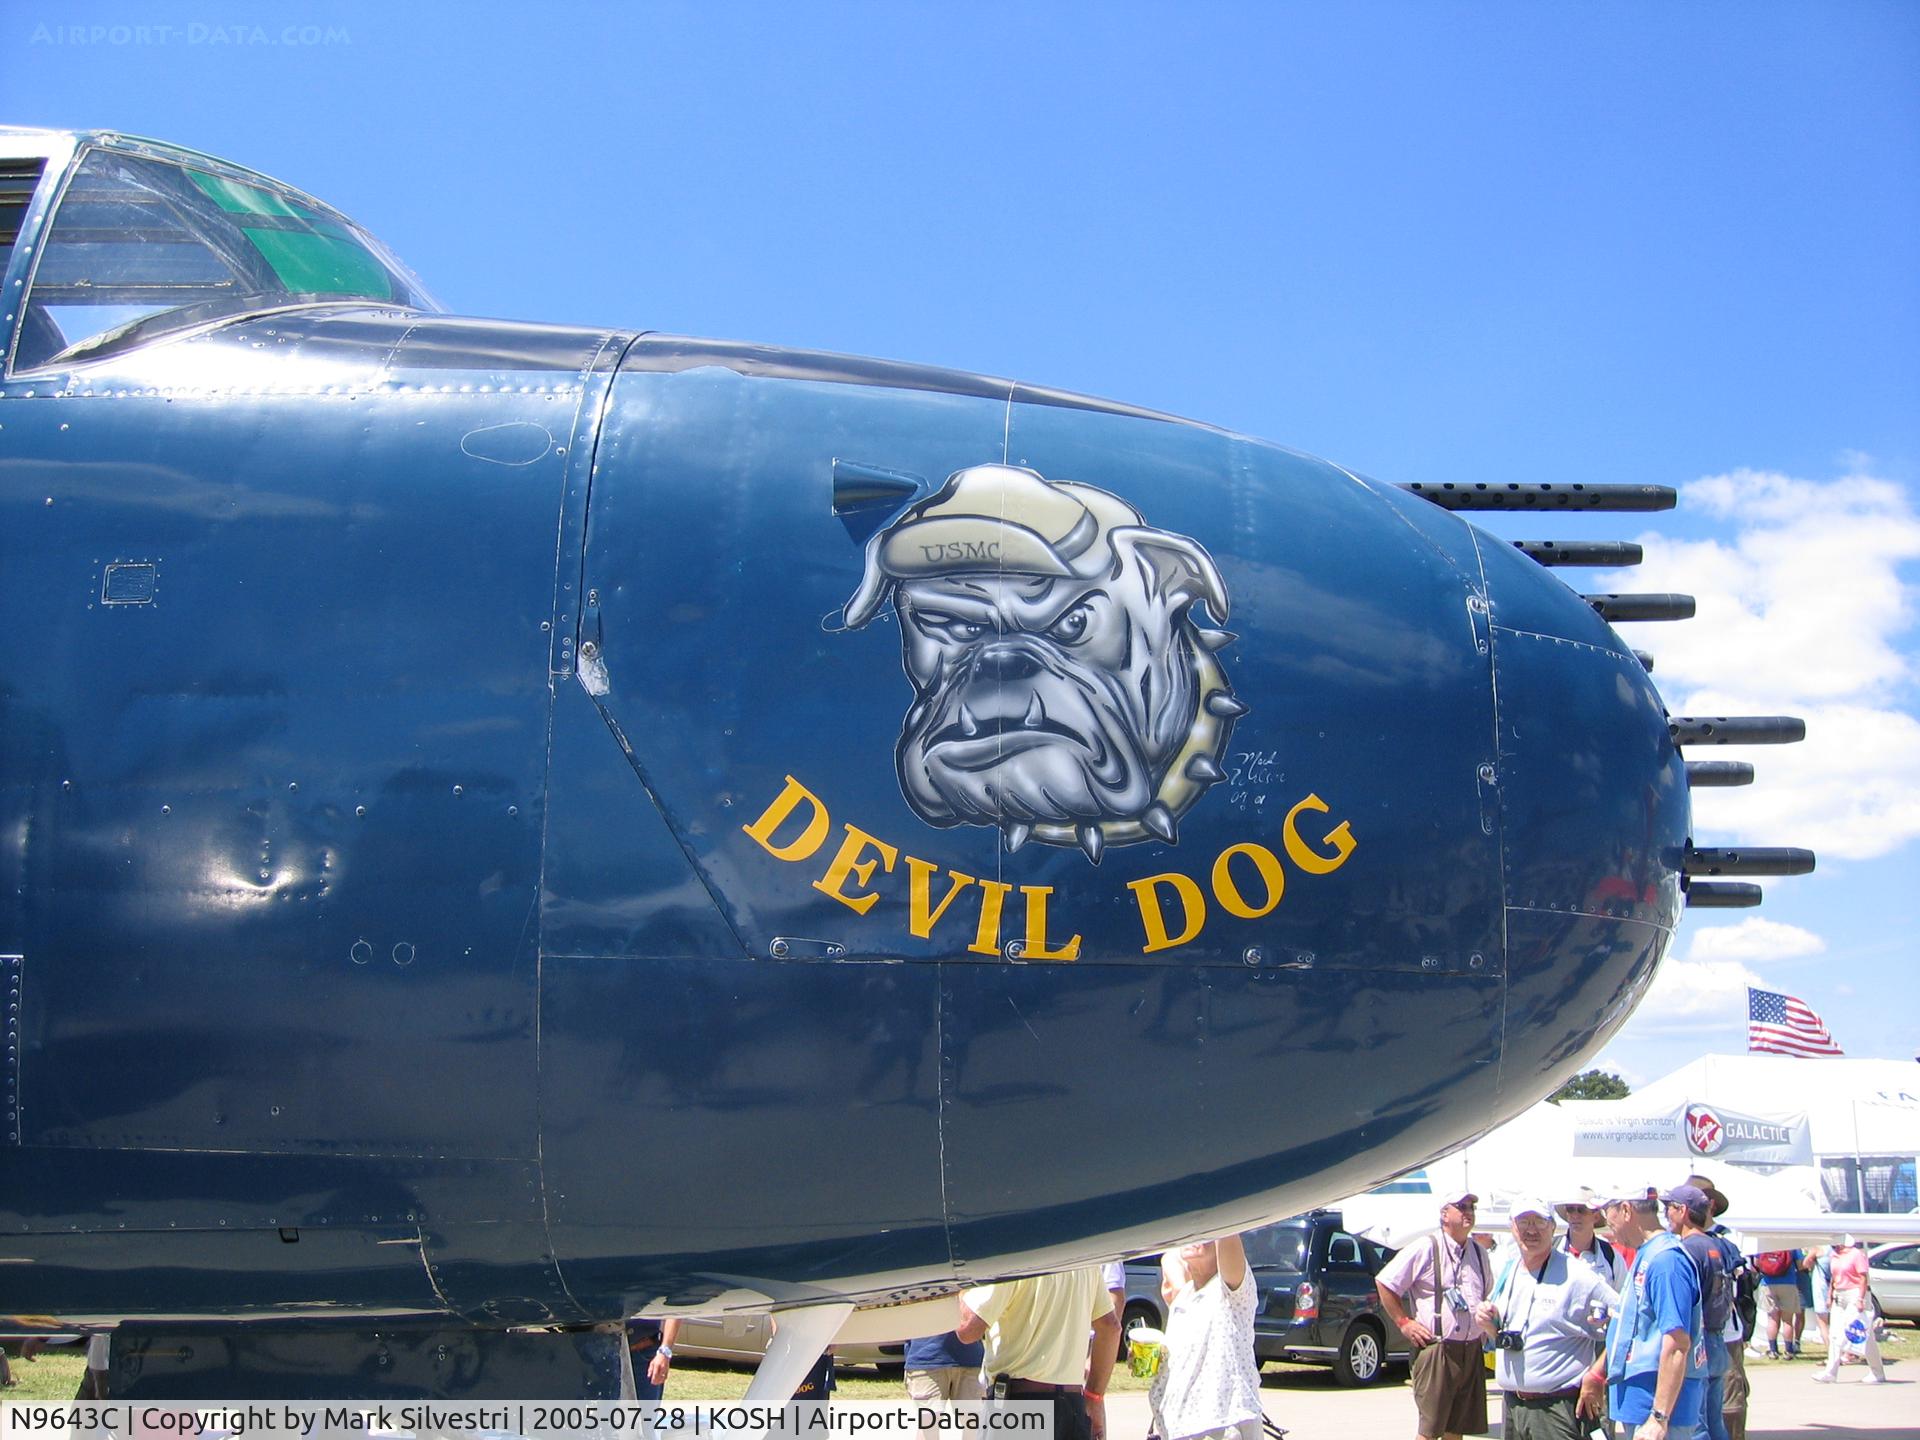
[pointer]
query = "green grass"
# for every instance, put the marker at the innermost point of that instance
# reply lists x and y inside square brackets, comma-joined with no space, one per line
[1902,1342]
[51,1375]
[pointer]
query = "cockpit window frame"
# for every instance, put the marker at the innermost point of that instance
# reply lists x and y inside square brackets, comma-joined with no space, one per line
[58,152]
[64,156]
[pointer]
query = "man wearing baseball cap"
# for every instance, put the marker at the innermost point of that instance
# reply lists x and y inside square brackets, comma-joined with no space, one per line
[1744,1282]
[1546,1311]
[1656,1358]
[1429,1290]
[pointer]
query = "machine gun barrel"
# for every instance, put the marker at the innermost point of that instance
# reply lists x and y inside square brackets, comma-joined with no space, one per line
[1544,495]
[1722,895]
[1754,860]
[1581,552]
[1736,729]
[1642,607]
[1702,774]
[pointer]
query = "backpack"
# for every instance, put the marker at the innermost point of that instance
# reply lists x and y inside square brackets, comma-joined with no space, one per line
[1774,1263]
[1746,1300]
[1712,1262]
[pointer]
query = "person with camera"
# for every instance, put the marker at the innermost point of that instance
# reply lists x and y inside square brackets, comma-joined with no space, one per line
[1544,1320]
[1428,1291]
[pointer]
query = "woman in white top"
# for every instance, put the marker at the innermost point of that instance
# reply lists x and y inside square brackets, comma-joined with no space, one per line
[1209,1384]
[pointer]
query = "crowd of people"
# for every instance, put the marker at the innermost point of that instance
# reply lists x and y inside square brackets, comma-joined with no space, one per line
[1634,1320]
[1640,1332]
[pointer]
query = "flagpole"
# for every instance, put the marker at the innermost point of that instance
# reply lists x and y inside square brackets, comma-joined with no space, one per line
[1859,1165]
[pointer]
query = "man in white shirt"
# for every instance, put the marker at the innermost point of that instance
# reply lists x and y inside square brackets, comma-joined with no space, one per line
[1545,1316]
[1582,1214]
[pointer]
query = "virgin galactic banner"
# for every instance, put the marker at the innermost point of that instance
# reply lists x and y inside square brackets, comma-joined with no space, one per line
[1709,1131]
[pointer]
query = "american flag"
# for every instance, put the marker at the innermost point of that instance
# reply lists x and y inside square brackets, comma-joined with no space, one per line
[1783,1025]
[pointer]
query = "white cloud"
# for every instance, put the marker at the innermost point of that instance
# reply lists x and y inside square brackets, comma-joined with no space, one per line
[1752,939]
[1703,991]
[1693,995]
[1801,612]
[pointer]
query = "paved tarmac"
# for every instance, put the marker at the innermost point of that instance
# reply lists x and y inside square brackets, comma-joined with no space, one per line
[1786,1402]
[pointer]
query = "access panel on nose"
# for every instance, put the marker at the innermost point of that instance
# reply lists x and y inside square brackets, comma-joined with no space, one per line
[746,631]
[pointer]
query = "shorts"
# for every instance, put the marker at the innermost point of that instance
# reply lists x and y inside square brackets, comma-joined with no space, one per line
[1450,1388]
[1782,1296]
[945,1382]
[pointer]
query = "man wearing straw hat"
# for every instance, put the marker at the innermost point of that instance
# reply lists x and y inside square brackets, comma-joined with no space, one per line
[1582,1214]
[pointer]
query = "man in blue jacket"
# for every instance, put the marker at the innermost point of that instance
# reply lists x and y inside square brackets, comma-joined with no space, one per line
[1656,1358]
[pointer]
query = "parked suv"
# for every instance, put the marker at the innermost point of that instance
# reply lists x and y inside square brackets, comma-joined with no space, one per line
[1317,1304]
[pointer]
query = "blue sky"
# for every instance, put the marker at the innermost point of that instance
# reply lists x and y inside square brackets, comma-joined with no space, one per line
[1647,242]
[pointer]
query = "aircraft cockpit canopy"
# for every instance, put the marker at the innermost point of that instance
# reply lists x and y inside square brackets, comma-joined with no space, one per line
[141,246]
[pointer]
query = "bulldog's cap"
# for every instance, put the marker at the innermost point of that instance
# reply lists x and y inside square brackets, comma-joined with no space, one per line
[1000,518]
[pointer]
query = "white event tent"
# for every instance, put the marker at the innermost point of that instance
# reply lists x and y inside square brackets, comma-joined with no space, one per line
[1784,1138]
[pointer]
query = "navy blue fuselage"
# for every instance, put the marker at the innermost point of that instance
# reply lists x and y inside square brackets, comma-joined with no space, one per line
[464,854]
